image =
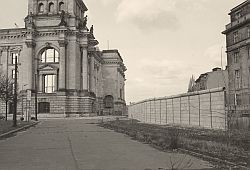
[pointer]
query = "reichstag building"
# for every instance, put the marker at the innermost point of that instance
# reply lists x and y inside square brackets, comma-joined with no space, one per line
[59,60]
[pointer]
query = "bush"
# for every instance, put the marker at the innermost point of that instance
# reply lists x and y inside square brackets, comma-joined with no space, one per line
[174,138]
[2,117]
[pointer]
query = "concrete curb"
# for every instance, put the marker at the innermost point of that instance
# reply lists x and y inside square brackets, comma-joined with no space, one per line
[19,129]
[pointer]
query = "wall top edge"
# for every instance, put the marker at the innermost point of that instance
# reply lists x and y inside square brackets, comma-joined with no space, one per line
[214,90]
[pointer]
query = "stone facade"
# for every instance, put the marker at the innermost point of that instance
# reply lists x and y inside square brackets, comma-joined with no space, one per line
[58,56]
[238,57]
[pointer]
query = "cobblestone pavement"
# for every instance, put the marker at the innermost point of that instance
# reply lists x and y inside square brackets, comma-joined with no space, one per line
[79,144]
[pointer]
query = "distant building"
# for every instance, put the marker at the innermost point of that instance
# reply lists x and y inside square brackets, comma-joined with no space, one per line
[216,78]
[58,56]
[238,57]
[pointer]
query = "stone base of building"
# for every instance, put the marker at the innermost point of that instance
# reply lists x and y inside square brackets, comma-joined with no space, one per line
[62,104]
[239,117]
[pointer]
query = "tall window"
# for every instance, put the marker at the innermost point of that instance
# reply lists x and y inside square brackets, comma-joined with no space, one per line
[121,93]
[237,79]
[51,7]
[236,57]
[50,55]
[238,15]
[13,73]
[237,99]
[49,83]
[41,8]
[237,73]
[14,56]
[61,6]
[235,36]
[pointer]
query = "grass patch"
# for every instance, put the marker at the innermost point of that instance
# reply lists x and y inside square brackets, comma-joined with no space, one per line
[233,146]
[6,126]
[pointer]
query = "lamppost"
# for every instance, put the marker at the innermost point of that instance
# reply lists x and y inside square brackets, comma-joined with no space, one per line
[36,87]
[15,95]
[22,98]
[36,96]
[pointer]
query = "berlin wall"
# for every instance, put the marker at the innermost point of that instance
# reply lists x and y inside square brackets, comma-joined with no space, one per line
[204,109]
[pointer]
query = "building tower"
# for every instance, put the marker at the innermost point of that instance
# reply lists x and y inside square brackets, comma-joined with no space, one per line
[238,59]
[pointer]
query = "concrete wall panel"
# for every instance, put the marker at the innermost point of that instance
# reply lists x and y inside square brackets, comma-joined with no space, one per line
[204,109]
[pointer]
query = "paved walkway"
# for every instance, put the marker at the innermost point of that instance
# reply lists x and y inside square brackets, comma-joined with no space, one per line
[79,145]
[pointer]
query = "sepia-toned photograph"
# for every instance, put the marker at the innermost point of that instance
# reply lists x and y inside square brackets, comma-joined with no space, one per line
[125,85]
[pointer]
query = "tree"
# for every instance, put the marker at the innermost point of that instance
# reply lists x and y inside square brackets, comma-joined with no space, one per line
[6,91]
[191,86]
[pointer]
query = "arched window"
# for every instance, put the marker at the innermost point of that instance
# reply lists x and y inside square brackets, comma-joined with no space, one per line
[61,6]
[51,7]
[41,8]
[50,55]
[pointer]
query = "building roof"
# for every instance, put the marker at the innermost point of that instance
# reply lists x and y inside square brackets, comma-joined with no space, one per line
[239,6]
[113,51]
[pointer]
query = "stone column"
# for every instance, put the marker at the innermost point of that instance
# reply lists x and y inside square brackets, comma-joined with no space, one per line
[4,60]
[29,69]
[84,52]
[123,91]
[96,80]
[62,62]
[92,74]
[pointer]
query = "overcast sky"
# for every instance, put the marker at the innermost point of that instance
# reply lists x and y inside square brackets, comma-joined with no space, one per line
[162,42]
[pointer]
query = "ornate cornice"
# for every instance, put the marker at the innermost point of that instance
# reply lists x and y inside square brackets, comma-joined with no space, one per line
[111,62]
[31,32]
[16,48]
[4,48]
[26,32]
[11,48]
[44,34]
[13,36]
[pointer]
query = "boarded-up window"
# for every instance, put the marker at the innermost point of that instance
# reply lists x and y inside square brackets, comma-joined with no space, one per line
[11,108]
[43,107]
[109,102]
